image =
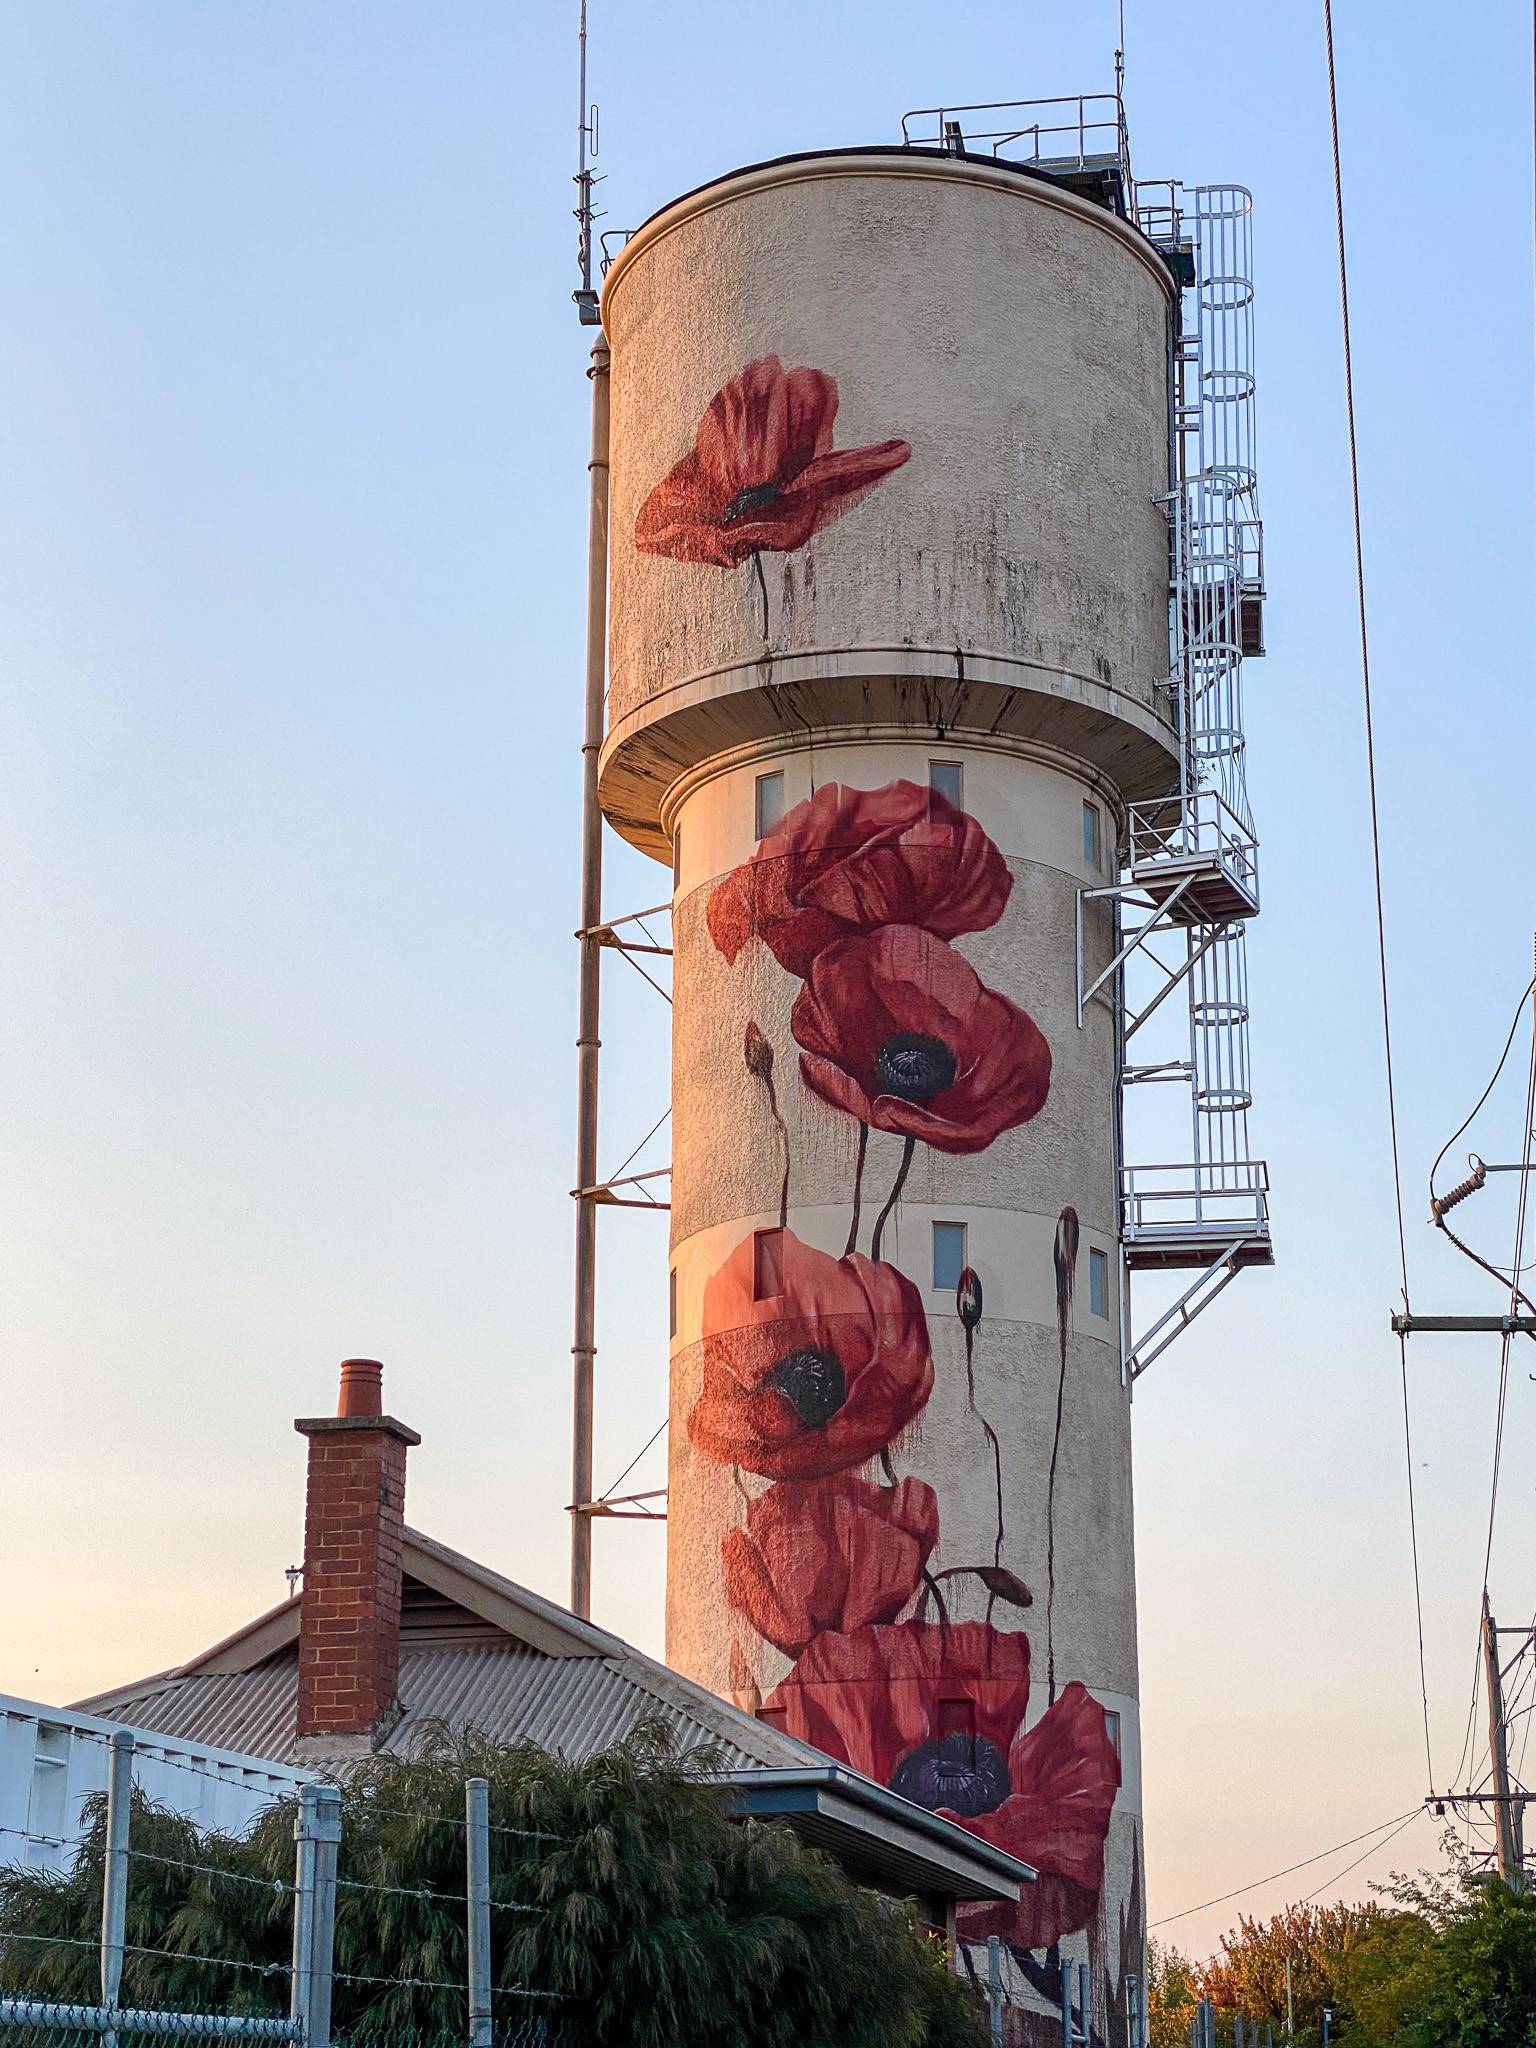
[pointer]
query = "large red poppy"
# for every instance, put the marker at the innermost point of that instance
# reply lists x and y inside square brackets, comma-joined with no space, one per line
[898,1030]
[835,1554]
[936,1713]
[817,1376]
[762,473]
[847,861]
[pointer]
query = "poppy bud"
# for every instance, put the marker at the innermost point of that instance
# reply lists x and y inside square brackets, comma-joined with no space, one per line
[968,1299]
[758,1053]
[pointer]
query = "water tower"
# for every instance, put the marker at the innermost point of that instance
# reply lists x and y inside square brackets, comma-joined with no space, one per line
[932,562]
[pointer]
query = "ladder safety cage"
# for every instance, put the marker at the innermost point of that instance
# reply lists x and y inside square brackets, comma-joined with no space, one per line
[1188,869]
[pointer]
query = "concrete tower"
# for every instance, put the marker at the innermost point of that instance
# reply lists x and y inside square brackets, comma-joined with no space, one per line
[889,659]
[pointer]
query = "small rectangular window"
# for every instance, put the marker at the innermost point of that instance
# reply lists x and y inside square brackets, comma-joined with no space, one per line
[773,1717]
[947,779]
[770,804]
[1090,835]
[672,1302]
[1098,1282]
[767,1264]
[948,1254]
[677,857]
[957,1716]
[1112,1728]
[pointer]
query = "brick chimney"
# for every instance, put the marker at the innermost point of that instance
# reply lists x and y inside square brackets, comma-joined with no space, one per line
[354,1527]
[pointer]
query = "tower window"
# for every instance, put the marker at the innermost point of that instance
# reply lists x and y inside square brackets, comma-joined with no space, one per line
[1112,1728]
[947,779]
[677,857]
[1090,835]
[770,804]
[767,1264]
[1098,1282]
[957,1716]
[672,1301]
[948,1254]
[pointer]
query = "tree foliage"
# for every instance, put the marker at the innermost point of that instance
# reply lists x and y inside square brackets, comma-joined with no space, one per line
[624,1895]
[1436,1962]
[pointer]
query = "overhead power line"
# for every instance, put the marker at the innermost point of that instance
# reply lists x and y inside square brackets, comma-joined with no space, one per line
[1381,914]
[1398,1821]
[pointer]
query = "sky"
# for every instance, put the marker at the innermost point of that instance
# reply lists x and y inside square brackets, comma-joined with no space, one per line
[292,548]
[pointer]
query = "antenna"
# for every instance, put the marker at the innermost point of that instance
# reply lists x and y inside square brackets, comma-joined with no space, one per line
[586,138]
[1120,59]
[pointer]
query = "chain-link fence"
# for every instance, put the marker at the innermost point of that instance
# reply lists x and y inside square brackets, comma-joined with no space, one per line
[59,1990]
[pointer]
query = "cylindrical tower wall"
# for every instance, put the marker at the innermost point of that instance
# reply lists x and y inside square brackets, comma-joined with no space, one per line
[889,624]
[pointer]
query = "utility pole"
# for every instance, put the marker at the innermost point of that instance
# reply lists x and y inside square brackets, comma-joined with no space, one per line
[1507,1809]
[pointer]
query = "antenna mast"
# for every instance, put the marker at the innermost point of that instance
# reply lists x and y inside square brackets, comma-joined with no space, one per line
[586,138]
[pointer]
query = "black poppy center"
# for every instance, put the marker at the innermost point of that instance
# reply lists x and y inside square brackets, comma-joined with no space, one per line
[961,1773]
[812,1382]
[752,499]
[914,1066]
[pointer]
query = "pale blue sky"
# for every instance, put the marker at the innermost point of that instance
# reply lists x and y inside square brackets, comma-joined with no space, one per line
[292,447]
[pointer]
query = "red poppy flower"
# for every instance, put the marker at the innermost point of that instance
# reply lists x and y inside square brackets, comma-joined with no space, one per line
[1065,1775]
[936,1714]
[898,1030]
[836,1554]
[817,1376]
[847,861]
[762,473]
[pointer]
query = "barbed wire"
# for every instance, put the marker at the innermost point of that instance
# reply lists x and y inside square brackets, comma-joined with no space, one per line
[266,1884]
[168,1955]
[421,1891]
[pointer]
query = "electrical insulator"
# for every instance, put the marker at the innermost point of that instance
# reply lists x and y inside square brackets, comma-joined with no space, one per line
[1474,1180]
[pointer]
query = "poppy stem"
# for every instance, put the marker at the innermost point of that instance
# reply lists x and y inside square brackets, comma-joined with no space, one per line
[773,1105]
[908,1148]
[997,1467]
[757,564]
[938,1598]
[1065,1259]
[858,1190]
[887,1467]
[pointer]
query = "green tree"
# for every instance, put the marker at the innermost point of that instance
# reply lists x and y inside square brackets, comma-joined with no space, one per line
[1172,1993]
[627,1900]
[1476,1985]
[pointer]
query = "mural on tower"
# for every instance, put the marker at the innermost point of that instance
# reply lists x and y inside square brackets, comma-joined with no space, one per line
[817,1369]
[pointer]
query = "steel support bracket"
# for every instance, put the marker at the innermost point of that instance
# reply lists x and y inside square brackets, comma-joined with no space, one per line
[1197,1296]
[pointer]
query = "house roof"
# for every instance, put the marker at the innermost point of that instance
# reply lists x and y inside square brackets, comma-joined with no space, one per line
[478,1651]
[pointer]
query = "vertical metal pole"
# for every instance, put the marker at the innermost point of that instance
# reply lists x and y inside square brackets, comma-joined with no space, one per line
[304,1835]
[1503,1812]
[1084,2008]
[995,1989]
[583,1347]
[114,1887]
[1066,2004]
[1290,2005]
[1238,2040]
[317,2033]
[477,1871]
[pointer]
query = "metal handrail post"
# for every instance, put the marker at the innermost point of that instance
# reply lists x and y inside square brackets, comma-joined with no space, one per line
[477,1873]
[114,1887]
[995,1989]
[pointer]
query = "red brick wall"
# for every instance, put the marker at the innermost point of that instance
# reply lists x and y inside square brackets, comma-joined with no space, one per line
[349,1619]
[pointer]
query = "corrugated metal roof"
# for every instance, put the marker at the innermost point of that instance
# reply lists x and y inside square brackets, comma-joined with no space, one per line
[576,1705]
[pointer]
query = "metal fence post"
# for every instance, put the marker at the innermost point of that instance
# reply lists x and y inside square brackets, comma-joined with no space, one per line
[995,1987]
[114,1886]
[323,1959]
[477,1874]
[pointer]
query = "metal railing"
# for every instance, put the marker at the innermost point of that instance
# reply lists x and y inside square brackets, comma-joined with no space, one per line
[1173,1200]
[1073,131]
[1174,829]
